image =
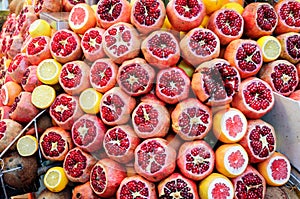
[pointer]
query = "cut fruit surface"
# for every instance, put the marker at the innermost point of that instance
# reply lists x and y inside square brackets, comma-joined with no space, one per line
[48,71]
[55,179]
[27,145]
[270,47]
[89,101]
[43,96]
[40,27]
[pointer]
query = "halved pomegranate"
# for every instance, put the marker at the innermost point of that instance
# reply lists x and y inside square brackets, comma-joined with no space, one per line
[120,142]
[38,49]
[254,98]
[88,132]
[215,82]
[135,77]
[259,141]
[116,107]
[24,19]
[260,19]
[147,16]
[121,42]
[84,191]
[106,176]
[14,46]
[161,49]
[9,129]
[199,45]
[30,79]
[55,143]
[245,55]
[289,45]
[281,75]
[18,66]
[103,74]
[185,15]
[191,119]
[78,164]
[154,159]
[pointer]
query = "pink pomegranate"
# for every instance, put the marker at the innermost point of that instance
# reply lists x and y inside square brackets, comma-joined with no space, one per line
[9,129]
[30,79]
[38,49]
[25,18]
[14,46]
[67,5]
[17,67]
[4,112]
[84,191]
[289,42]
[47,6]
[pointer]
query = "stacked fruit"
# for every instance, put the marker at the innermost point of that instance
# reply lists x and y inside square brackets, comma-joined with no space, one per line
[134,91]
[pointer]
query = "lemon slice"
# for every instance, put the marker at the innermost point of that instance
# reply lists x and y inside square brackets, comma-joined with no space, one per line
[43,96]
[234,6]
[48,71]
[270,47]
[39,27]
[55,179]
[27,145]
[89,101]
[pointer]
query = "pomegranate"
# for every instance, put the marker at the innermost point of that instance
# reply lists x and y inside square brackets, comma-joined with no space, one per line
[119,143]
[259,141]
[295,95]
[245,55]
[150,119]
[260,19]
[78,164]
[47,6]
[227,24]
[121,42]
[14,46]
[288,12]
[106,176]
[185,15]
[135,77]
[103,73]
[289,45]
[196,159]
[254,98]
[136,187]
[67,5]
[116,107]
[191,119]
[22,110]
[84,191]
[65,46]
[30,79]
[17,67]
[3,71]
[109,13]
[25,19]
[215,82]
[65,110]
[91,44]
[147,16]
[172,85]
[249,184]
[9,129]
[55,143]
[161,49]
[154,159]
[199,45]
[281,75]
[4,112]
[74,77]
[38,49]
[88,132]
[177,186]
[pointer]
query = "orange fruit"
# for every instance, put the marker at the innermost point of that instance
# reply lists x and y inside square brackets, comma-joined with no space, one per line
[9,91]
[241,2]
[276,169]
[231,160]
[213,5]
[81,18]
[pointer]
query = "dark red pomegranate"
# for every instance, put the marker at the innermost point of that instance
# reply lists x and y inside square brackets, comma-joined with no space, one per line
[17,67]
[30,80]
[9,129]
[289,46]
[38,49]
[84,191]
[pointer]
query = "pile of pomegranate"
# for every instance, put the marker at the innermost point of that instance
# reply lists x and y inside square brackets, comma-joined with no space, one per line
[169,92]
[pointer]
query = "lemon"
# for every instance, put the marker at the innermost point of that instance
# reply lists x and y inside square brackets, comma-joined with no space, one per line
[40,27]
[270,47]
[27,145]
[94,7]
[48,71]
[43,96]
[204,21]
[213,5]
[89,101]
[167,25]
[234,6]
[55,179]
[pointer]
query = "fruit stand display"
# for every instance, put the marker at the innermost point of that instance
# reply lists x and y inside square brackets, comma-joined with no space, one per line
[150,99]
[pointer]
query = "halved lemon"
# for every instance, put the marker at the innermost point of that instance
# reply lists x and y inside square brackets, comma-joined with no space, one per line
[43,96]
[27,145]
[270,47]
[55,179]
[89,101]
[48,71]
[39,27]
[234,6]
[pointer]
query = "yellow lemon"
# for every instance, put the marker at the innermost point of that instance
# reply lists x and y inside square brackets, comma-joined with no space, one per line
[43,96]
[39,27]
[55,179]
[167,25]
[94,7]
[48,71]
[270,47]
[27,145]
[89,101]
[204,21]
[213,5]
[234,6]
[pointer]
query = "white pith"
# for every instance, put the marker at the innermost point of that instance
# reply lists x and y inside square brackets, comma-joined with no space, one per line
[98,176]
[230,169]
[152,159]
[83,130]
[263,140]
[119,40]
[84,21]
[269,171]
[61,108]
[230,114]
[223,181]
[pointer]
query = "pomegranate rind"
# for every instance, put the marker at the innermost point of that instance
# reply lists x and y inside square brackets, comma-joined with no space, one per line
[83,191]
[47,6]
[40,55]
[9,91]
[288,42]
[9,130]
[17,67]
[4,112]
[30,81]
[67,5]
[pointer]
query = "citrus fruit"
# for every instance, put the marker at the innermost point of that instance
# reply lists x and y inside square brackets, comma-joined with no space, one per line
[55,179]
[81,18]
[43,96]
[204,21]
[9,91]
[213,5]
[94,7]
[166,25]
[40,27]
[89,101]
[234,6]
[48,71]
[188,69]
[270,46]
[27,145]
